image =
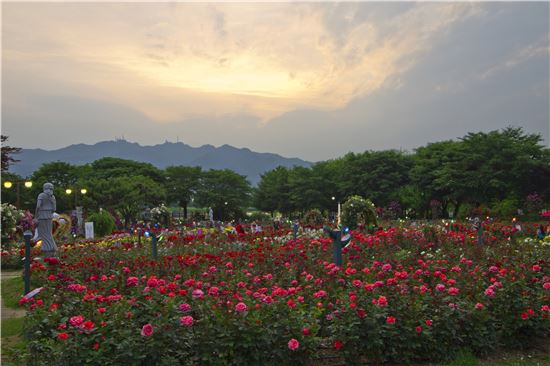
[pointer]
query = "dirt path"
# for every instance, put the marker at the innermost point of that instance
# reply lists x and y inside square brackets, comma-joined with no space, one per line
[8,313]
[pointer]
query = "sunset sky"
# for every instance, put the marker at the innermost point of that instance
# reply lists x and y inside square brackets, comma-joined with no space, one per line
[308,80]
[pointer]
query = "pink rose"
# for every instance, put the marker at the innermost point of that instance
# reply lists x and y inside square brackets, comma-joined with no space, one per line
[453,291]
[185,307]
[293,344]
[76,320]
[240,307]
[197,294]
[147,330]
[186,321]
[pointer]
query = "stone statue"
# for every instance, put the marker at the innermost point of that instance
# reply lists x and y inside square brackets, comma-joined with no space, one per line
[45,208]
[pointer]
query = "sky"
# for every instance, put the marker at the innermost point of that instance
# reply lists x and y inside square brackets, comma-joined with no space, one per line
[307,80]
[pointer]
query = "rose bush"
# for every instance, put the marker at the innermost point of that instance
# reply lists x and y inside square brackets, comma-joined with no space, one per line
[405,294]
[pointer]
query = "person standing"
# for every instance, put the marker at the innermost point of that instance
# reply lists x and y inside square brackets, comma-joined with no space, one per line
[45,208]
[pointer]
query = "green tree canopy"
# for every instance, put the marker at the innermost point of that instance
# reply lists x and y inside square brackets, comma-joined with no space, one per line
[182,182]
[225,191]
[273,191]
[127,195]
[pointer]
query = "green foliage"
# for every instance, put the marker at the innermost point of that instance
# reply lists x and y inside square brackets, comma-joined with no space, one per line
[181,183]
[314,217]
[12,290]
[104,223]
[260,217]
[227,192]
[506,208]
[7,152]
[273,191]
[376,174]
[109,168]
[12,327]
[464,358]
[358,210]
[127,195]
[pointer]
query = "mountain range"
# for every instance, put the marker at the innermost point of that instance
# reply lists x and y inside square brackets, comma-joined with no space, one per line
[241,160]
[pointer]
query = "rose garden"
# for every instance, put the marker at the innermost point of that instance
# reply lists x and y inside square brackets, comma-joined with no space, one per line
[446,264]
[410,293]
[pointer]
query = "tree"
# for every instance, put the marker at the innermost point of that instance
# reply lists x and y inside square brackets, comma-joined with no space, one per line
[127,195]
[503,163]
[7,152]
[376,174]
[225,191]
[273,191]
[62,176]
[438,174]
[181,184]
[107,168]
[306,191]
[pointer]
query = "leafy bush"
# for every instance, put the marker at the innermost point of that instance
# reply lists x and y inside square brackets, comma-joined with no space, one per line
[104,223]
[314,217]
[404,295]
[260,217]
[358,210]
[506,208]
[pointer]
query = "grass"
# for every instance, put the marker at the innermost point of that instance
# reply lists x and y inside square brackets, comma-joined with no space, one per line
[11,329]
[12,290]
[539,357]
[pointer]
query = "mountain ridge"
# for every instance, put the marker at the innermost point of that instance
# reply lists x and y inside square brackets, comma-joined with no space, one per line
[241,160]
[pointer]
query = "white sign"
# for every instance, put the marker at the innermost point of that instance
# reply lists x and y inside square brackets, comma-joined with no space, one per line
[89,230]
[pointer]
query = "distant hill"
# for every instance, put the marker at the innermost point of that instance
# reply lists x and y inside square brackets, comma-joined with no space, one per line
[243,161]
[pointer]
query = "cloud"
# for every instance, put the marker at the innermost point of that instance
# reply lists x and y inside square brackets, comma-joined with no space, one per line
[175,61]
[307,80]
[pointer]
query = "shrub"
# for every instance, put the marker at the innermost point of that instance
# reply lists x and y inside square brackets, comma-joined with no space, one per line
[104,223]
[358,210]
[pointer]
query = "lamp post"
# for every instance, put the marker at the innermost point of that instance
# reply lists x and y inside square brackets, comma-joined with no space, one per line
[338,211]
[83,191]
[8,184]
[78,210]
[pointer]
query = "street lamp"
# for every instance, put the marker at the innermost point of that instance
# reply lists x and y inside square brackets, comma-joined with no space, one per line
[338,211]
[8,184]
[83,191]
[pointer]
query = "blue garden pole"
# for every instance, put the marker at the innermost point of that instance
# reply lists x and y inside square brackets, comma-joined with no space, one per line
[337,244]
[154,244]
[27,274]
[295,230]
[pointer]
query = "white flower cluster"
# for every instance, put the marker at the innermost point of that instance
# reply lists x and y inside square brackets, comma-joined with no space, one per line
[160,212]
[10,217]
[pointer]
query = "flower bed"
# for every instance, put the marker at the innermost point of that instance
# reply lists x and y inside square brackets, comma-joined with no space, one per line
[406,294]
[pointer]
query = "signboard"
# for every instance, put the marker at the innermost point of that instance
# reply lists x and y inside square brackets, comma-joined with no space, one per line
[89,230]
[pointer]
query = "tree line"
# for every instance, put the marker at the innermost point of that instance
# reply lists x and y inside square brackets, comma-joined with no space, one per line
[501,171]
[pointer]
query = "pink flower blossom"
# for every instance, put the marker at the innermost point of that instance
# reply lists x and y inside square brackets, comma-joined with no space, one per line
[186,321]
[293,344]
[453,291]
[185,307]
[75,321]
[197,294]
[241,307]
[132,281]
[147,330]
